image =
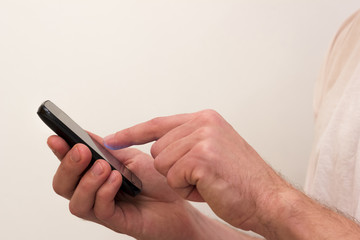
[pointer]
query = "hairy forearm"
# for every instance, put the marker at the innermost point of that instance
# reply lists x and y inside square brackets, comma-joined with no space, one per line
[205,227]
[220,230]
[293,215]
[209,228]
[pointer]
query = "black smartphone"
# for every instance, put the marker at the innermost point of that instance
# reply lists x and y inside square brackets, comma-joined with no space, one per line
[72,133]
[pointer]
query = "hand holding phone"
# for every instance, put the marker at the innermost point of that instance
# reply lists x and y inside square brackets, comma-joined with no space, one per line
[72,133]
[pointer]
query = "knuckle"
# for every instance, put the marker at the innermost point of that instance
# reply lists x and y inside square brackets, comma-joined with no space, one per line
[159,166]
[156,121]
[211,116]
[172,180]
[177,176]
[60,189]
[57,189]
[155,149]
[206,132]
[85,186]
[205,150]
[76,210]
[201,172]
[102,215]
[203,147]
[101,209]
[154,125]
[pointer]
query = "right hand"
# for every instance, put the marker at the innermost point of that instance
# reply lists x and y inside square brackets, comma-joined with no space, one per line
[204,158]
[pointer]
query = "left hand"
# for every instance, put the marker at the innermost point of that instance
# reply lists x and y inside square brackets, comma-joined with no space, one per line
[156,213]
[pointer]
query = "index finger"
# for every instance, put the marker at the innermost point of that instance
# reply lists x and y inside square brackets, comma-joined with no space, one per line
[125,156]
[145,132]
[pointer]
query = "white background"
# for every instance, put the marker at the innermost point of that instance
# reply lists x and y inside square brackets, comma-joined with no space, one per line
[111,64]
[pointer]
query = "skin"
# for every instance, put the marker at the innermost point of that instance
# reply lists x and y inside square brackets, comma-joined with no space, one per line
[204,158]
[197,157]
[157,213]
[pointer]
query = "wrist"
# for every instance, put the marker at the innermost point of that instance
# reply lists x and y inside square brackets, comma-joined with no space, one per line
[280,211]
[290,214]
[209,228]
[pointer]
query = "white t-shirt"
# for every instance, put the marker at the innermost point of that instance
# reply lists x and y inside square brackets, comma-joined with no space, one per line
[334,169]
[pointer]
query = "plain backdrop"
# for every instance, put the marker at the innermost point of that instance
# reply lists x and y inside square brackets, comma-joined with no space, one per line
[111,64]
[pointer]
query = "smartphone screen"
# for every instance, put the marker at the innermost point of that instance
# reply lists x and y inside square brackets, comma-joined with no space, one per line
[72,133]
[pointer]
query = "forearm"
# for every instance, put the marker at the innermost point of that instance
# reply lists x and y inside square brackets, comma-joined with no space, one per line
[293,215]
[222,231]
[209,228]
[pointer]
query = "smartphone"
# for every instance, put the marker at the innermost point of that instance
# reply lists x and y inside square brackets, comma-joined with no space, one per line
[72,133]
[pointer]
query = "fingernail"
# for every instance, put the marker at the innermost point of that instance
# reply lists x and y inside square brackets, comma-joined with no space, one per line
[75,155]
[97,169]
[109,141]
[112,177]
